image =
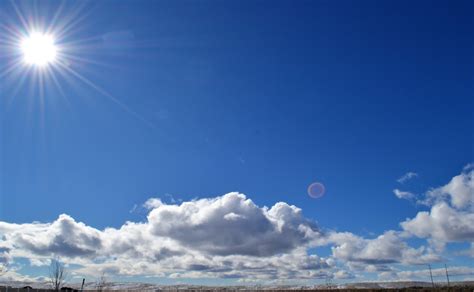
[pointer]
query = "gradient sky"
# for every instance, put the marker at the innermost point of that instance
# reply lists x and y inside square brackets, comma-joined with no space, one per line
[187,100]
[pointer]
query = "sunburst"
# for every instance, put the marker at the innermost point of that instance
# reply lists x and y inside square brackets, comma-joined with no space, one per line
[46,54]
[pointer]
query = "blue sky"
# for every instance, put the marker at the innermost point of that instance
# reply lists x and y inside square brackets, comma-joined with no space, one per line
[197,99]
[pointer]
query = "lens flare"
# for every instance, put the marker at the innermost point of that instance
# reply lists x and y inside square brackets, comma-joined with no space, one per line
[316,190]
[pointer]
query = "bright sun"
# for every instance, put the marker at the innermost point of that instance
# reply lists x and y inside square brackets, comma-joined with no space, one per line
[38,49]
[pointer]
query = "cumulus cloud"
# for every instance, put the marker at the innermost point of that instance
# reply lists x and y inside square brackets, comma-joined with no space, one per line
[459,191]
[226,237]
[442,223]
[232,225]
[451,217]
[388,248]
[231,237]
[63,237]
[407,176]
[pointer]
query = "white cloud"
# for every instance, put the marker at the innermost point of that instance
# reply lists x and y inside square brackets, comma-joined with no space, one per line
[468,167]
[233,225]
[225,237]
[459,191]
[403,194]
[451,218]
[407,176]
[343,274]
[64,237]
[442,223]
[231,237]
[451,214]
[14,278]
[388,248]
[437,273]
[152,203]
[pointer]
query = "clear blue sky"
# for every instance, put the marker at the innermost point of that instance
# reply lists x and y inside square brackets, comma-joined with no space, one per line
[257,97]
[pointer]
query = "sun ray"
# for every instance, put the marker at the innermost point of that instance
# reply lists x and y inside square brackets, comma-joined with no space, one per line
[71,57]
[106,94]
[19,15]
[52,75]
[19,84]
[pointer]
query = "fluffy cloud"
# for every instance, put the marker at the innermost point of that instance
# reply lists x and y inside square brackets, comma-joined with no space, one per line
[442,223]
[451,218]
[233,225]
[226,237]
[459,191]
[231,237]
[64,237]
[388,248]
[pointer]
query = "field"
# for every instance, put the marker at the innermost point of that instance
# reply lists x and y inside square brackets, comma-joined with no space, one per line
[467,288]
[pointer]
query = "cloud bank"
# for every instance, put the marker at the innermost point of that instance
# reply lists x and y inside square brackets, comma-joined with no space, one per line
[230,237]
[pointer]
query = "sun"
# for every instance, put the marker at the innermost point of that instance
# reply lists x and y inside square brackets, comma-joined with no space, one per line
[47,55]
[39,49]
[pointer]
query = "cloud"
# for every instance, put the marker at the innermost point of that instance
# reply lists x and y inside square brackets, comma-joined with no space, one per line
[451,218]
[225,237]
[459,191]
[342,274]
[231,237]
[63,237]
[403,194]
[440,272]
[233,225]
[470,252]
[4,256]
[388,248]
[407,176]
[468,167]
[442,223]
[152,203]
[14,278]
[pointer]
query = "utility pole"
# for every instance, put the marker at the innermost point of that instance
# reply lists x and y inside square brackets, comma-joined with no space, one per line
[431,276]
[447,274]
[82,286]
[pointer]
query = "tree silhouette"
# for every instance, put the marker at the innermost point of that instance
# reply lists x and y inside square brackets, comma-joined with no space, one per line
[57,274]
[3,269]
[101,283]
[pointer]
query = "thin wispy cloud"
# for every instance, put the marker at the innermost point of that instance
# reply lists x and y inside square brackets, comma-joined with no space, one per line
[403,194]
[407,176]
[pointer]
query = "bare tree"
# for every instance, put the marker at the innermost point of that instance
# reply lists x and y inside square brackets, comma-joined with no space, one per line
[329,282]
[57,274]
[101,283]
[3,269]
